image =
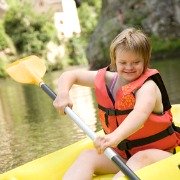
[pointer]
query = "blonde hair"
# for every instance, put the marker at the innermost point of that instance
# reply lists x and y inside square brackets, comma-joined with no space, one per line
[134,40]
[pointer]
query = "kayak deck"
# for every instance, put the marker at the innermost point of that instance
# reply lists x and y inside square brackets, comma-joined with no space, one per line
[54,165]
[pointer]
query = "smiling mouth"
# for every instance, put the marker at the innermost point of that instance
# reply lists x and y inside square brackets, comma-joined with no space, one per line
[129,72]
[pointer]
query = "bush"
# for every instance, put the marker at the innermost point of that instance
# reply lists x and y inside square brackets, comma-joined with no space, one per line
[88,20]
[3,40]
[77,45]
[2,66]
[75,48]
[30,32]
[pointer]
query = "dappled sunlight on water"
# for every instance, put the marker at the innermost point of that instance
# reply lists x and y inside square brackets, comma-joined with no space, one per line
[30,127]
[83,105]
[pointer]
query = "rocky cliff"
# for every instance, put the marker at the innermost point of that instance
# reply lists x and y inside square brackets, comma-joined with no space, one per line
[160,18]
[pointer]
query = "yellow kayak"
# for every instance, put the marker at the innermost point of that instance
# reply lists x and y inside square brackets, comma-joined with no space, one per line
[54,165]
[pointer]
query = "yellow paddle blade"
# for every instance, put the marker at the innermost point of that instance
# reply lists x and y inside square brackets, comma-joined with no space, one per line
[28,70]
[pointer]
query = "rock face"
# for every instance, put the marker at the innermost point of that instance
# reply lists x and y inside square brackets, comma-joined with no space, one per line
[163,19]
[156,17]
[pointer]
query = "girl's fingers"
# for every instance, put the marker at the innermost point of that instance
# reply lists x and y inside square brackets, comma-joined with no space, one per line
[60,104]
[100,144]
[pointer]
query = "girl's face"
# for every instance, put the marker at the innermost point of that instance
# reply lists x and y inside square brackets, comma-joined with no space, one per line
[129,65]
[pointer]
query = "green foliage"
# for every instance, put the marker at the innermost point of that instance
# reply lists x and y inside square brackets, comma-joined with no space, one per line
[2,67]
[75,50]
[134,17]
[3,40]
[136,20]
[95,3]
[30,32]
[164,45]
[5,43]
[13,2]
[88,14]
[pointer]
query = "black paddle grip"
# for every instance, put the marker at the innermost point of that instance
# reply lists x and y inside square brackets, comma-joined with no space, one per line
[49,91]
[124,168]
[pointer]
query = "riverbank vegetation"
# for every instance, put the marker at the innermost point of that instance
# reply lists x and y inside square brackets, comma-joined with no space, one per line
[88,13]
[165,48]
[23,32]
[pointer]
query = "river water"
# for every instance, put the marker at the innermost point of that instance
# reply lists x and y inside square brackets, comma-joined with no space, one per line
[30,127]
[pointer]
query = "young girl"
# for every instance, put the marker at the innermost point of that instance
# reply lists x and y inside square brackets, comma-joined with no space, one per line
[133,108]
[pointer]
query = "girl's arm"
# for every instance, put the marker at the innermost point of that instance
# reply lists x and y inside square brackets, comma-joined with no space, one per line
[146,98]
[65,82]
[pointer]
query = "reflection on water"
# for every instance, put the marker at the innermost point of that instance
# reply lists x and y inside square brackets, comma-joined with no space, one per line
[30,127]
[170,72]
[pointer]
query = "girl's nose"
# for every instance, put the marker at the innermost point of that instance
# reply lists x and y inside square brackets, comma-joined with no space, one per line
[129,66]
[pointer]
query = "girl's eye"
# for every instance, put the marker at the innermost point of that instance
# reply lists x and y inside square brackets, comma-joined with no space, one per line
[136,62]
[123,63]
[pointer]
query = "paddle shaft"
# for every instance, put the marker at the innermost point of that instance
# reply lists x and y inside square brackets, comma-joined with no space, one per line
[109,152]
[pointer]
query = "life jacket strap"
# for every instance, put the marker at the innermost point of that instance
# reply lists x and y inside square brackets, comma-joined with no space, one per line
[129,144]
[165,98]
[112,112]
[176,128]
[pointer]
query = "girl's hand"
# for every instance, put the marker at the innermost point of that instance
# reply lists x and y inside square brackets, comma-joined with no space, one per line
[62,100]
[102,142]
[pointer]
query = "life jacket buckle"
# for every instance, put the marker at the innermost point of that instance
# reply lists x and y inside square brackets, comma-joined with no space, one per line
[170,130]
[111,112]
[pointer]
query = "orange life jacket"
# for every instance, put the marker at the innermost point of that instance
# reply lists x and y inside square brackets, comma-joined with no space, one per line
[158,130]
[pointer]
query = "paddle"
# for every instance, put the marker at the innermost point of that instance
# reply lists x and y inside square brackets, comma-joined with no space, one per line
[30,70]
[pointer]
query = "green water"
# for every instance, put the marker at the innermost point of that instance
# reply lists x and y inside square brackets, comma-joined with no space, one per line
[30,127]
